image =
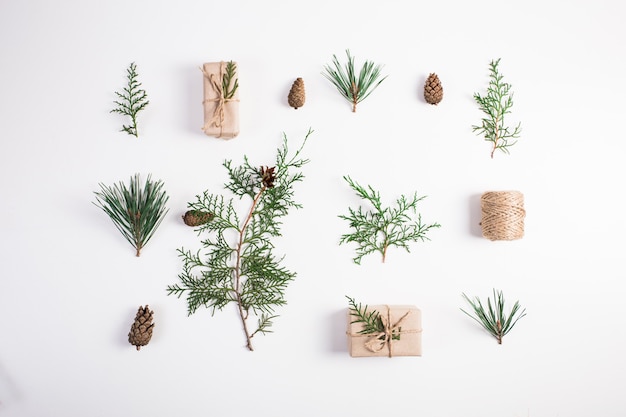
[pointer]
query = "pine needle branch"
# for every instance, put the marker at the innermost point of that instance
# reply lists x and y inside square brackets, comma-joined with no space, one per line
[239,265]
[496,104]
[136,211]
[131,101]
[352,87]
[370,320]
[377,229]
[230,84]
[494,319]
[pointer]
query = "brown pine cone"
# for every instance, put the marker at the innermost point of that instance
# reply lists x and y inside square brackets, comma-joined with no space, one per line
[433,90]
[195,218]
[141,330]
[296,94]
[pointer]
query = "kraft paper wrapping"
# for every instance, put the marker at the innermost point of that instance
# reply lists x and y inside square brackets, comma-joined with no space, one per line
[402,320]
[221,116]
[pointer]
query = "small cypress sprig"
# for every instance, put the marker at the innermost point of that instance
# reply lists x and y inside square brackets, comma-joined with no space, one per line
[136,211]
[131,101]
[378,229]
[370,320]
[352,87]
[494,319]
[496,104]
[240,266]
[230,84]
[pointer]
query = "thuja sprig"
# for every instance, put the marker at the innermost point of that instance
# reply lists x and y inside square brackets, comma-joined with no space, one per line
[131,101]
[136,211]
[375,230]
[354,88]
[240,266]
[370,320]
[229,82]
[496,104]
[494,319]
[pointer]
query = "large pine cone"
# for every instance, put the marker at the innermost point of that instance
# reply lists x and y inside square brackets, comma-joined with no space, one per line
[141,330]
[197,217]
[296,94]
[433,90]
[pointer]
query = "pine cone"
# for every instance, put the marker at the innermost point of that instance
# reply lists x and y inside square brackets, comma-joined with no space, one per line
[433,91]
[141,330]
[195,218]
[296,94]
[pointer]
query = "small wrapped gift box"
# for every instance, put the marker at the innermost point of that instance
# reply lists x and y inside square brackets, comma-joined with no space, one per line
[400,333]
[221,105]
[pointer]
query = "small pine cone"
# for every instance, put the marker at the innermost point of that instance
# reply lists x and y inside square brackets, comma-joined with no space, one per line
[195,218]
[141,330]
[296,94]
[433,90]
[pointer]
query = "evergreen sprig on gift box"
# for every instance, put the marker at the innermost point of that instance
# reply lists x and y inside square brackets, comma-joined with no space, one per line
[496,104]
[132,100]
[230,84]
[378,229]
[494,319]
[370,320]
[136,211]
[240,266]
[354,88]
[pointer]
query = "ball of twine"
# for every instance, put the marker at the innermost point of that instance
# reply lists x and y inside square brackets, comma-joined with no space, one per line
[502,215]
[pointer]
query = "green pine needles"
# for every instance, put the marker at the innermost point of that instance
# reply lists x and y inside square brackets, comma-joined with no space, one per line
[352,88]
[494,319]
[496,104]
[230,84]
[131,101]
[136,211]
[370,320]
[378,229]
[240,266]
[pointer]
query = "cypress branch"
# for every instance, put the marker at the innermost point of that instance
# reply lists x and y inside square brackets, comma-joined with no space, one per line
[496,104]
[239,265]
[378,229]
[131,101]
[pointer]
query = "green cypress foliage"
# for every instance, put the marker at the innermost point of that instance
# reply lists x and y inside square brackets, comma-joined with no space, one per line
[238,264]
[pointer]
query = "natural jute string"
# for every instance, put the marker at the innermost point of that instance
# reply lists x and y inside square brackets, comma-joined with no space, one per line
[502,215]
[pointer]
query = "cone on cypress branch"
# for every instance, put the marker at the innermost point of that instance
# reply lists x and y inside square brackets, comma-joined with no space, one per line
[297,96]
[141,330]
[433,90]
[195,218]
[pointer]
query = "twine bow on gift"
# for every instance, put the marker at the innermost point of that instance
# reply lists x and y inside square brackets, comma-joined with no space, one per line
[378,341]
[218,115]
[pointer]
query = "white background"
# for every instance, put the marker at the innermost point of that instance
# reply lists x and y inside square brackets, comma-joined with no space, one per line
[70,283]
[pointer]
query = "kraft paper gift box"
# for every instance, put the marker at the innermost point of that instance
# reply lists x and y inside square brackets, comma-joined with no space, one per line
[221,115]
[402,334]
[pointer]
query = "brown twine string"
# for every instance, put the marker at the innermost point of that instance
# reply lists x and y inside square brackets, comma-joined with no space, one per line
[218,116]
[378,341]
[502,215]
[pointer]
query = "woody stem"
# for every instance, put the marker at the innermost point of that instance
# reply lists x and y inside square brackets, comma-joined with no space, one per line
[243,314]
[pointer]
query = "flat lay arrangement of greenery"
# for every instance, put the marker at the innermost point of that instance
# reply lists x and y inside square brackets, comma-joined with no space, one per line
[237,263]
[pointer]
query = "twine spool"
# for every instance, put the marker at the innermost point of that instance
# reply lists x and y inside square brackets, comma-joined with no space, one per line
[502,215]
